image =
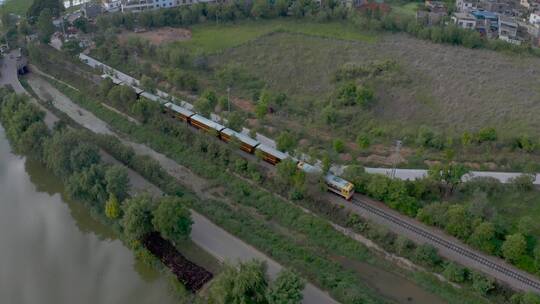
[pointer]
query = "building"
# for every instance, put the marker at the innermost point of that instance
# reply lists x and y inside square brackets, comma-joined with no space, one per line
[496,6]
[464,20]
[142,5]
[437,7]
[534,18]
[487,23]
[465,6]
[91,10]
[508,27]
[112,6]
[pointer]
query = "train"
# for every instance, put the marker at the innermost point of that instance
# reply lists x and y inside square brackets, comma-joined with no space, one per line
[249,145]
[334,183]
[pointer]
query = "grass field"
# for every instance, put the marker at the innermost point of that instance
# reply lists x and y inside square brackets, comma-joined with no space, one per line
[448,89]
[408,9]
[214,38]
[18,7]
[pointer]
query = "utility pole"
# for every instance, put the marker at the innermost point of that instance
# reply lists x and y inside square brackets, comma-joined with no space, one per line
[398,148]
[229,98]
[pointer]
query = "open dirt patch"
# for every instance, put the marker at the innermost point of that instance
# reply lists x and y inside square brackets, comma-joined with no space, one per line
[158,36]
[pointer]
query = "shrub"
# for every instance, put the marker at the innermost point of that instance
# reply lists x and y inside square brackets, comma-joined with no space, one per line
[339,145]
[454,273]
[486,134]
[427,255]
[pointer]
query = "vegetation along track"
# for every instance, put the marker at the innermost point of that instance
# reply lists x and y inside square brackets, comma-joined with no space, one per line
[534,285]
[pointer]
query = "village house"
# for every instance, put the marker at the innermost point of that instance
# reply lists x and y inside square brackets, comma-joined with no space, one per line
[464,20]
[433,13]
[465,6]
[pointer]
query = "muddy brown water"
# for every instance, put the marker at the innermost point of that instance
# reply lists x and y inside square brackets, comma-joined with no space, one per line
[52,251]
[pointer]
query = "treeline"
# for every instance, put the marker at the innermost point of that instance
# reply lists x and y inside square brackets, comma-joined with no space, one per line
[368,18]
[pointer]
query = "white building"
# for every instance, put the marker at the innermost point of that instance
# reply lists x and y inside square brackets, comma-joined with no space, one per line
[112,5]
[464,20]
[534,18]
[141,5]
[465,6]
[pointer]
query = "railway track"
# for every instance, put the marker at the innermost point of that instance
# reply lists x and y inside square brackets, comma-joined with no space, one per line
[449,245]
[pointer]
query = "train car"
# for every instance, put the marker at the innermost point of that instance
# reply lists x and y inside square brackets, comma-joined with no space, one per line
[153,97]
[334,183]
[247,144]
[178,112]
[205,124]
[138,91]
[270,154]
[114,80]
[339,186]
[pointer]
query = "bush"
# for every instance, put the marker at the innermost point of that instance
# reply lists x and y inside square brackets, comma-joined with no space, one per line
[339,145]
[523,182]
[454,273]
[427,255]
[487,134]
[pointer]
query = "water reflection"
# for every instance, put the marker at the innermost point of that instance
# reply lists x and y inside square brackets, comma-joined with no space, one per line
[52,251]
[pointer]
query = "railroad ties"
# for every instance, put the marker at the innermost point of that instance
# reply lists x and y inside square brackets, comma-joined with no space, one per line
[191,275]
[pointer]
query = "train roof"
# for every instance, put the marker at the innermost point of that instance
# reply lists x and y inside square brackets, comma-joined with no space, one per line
[309,168]
[243,138]
[212,124]
[336,181]
[151,97]
[179,109]
[114,79]
[276,153]
[137,90]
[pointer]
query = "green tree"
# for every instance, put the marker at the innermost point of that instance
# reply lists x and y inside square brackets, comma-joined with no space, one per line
[55,7]
[483,237]
[514,247]
[117,182]
[363,141]
[454,273]
[482,284]
[261,108]
[148,84]
[235,121]
[137,220]
[112,207]
[427,255]
[173,219]
[81,23]
[286,289]
[89,185]
[72,47]
[449,175]
[487,134]
[458,221]
[285,141]
[245,284]
[339,145]
[45,26]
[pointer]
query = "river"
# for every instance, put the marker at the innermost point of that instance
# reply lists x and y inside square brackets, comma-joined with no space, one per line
[52,251]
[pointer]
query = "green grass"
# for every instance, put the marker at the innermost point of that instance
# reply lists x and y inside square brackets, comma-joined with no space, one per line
[408,9]
[211,38]
[18,7]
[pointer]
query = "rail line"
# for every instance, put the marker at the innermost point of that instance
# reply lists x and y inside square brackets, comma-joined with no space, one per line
[449,245]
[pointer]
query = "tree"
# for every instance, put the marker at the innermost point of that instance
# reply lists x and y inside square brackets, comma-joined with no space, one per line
[245,284]
[458,221]
[55,7]
[261,108]
[523,182]
[172,219]
[235,121]
[89,185]
[427,255]
[285,141]
[363,141]
[514,247]
[286,289]
[148,83]
[454,273]
[117,182]
[483,237]
[83,156]
[112,207]
[482,284]
[45,26]
[339,145]
[72,47]
[450,175]
[137,220]
[81,23]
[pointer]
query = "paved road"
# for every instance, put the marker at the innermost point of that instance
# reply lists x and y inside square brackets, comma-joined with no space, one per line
[208,236]
[10,77]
